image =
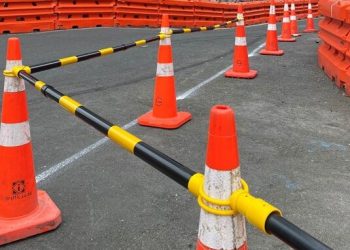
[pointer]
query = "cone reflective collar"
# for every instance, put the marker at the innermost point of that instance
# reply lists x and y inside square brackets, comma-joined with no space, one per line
[222,177]
[286,35]
[271,47]
[310,20]
[164,113]
[240,61]
[24,210]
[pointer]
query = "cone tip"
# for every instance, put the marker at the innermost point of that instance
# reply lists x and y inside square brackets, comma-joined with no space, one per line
[222,121]
[13,49]
[240,8]
[165,21]
[222,149]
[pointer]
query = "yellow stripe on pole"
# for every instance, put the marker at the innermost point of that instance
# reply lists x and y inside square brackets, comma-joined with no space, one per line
[68,60]
[106,51]
[203,28]
[217,26]
[123,138]
[140,42]
[69,104]
[187,30]
[39,85]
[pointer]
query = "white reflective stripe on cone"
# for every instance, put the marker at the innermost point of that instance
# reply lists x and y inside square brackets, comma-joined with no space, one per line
[272,10]
[286,19]
[271,27]
[309,6]
[285,8]
[240,41]
[165,69]
[14,134]
[309,15]
[221,232]
[13,84]
[240,23]
[293,18]
[166,41]
[292,7]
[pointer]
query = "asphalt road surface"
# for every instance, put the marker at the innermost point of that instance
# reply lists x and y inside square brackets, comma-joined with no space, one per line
[293,128]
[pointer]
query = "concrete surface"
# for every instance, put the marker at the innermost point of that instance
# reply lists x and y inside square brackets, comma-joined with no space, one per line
[293,128]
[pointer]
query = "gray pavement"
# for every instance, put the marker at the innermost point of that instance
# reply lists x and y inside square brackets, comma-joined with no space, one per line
[293,128]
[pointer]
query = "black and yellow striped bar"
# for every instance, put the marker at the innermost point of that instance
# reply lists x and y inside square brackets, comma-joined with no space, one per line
[274,224]
[128,141]
[86,56]
[108,51]
[192,30]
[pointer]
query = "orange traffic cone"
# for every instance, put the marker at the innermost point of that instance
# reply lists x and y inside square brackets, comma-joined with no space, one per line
[310,20]
[271,47]
[240,67]
[286,35]
[164,113]
[293,20]
[24,210]
[222,177]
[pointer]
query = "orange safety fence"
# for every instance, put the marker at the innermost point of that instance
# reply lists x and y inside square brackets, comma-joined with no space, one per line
[41,15]
[334,50]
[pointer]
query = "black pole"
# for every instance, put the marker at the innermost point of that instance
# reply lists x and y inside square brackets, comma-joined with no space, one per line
[291,234]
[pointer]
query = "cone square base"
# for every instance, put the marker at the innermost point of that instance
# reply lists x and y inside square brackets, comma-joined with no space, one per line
[44,218]
[280,39]
[150,120]
[246,75]
[271,52]
[309,30]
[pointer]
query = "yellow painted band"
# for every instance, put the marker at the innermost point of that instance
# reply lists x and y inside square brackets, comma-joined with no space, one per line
[39,85]
[195,184]
[203,28]
[68,60]
[217,26]
[69,104]
[186,30]
[229,22]
[140,42]
[106,51]
[123,138]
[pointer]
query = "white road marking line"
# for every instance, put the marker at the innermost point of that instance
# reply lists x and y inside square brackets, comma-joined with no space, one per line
[52,170]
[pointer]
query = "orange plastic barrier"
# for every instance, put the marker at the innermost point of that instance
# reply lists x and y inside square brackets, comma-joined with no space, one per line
[206,14]
[27,16]
[41,15]
[84,13]
[138,13]
[334,50]
[180,13]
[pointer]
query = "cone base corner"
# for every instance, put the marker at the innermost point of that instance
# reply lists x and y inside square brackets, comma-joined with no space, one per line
[246,75]
[310,30]
[46,217]
[271,52]
[280,39]
[296,34]
[150,120]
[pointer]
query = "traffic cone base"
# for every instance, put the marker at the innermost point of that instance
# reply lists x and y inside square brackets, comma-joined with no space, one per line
[245,75]
[309,30]
[271,53]
[201,246]
[280,39]
[296,35]
[44,218]
[150,120]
